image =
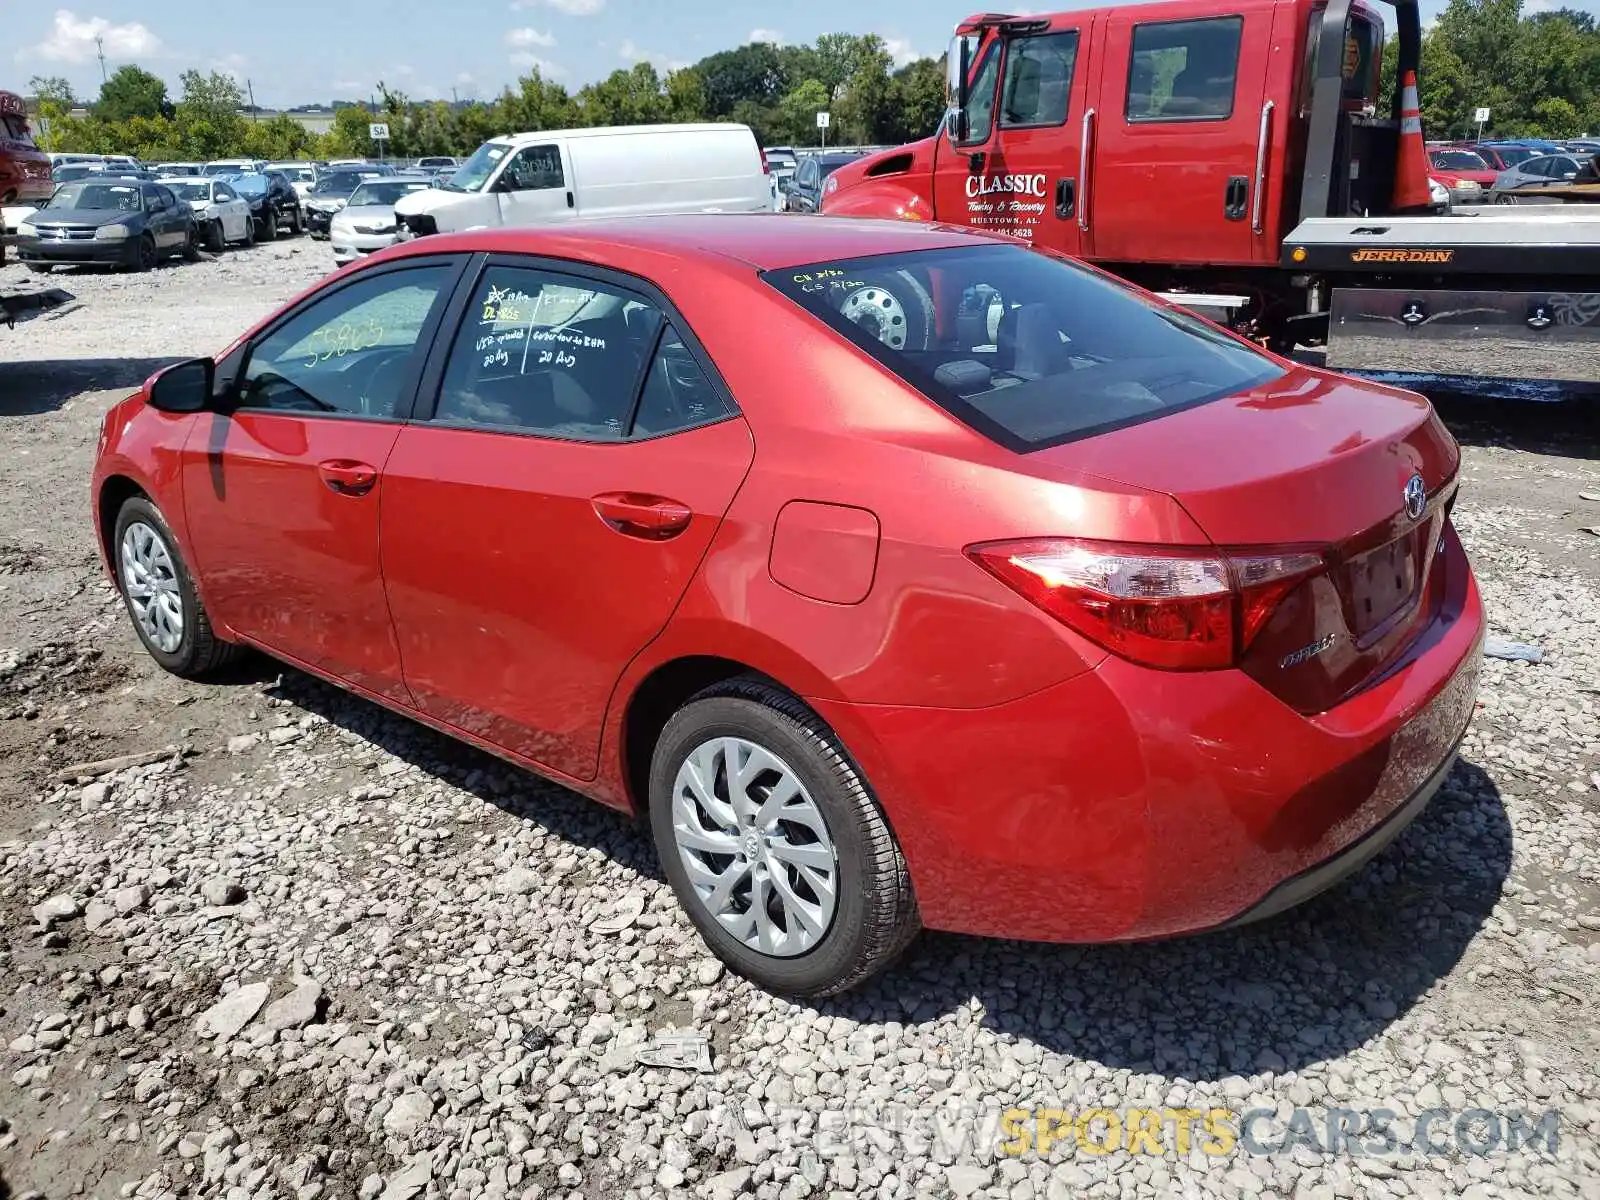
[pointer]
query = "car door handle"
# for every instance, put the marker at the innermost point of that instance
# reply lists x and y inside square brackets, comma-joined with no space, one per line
[347,477]
[653,518]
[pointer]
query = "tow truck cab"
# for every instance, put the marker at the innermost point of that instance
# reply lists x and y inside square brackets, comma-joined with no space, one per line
[1180,132]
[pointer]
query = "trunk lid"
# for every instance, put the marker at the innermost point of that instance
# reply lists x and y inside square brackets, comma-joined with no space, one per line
[1318,462]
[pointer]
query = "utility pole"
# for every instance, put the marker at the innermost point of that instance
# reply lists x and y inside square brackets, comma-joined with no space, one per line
[250,87]
[100,52]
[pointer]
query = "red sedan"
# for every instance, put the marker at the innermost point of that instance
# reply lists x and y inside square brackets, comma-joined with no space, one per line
[901,575]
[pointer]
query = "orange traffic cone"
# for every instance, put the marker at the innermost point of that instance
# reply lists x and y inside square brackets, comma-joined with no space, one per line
[1411,189]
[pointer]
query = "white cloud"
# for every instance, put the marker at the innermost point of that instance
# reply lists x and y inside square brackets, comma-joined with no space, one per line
[573,8]
[900,50]
[766,35]
[525,58]
[231,64]
[72,39]
[526,38]
[349,86]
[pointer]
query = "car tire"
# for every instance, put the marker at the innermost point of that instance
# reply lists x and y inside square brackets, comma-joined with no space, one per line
[269,226]
[215,239]
[145,255]
[250,232]
[154,581]
[872,915]
[191,247]
[297,223]
[898,313]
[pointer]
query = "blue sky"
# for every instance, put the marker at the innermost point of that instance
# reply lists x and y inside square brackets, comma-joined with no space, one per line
[299,53]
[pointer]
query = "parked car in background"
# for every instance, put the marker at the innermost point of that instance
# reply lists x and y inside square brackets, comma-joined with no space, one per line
[274,204]
[221,215]
[619,549]
[232,166]
[329,194]
[25,182]
[174,170]
[573,174]
[1464,172]
[367,221]
[1502,156]
[811,173]
[68,172]
[781,161]
[1540,171]
[108,221]
[434,162]
[302,176]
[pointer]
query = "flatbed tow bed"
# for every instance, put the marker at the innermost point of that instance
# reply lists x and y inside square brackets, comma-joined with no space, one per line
[1459,290]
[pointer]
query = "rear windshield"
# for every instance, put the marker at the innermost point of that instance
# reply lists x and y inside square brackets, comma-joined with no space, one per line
[1029,349]
[385,191]
[1459,160]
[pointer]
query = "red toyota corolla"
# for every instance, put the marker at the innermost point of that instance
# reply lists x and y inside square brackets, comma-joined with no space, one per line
[904,576]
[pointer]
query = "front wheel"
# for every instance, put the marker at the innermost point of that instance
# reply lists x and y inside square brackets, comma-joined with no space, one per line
[191,247]
[160,594]
[145,254]
[215,238]
[297,223]
[774,844]
[269,226]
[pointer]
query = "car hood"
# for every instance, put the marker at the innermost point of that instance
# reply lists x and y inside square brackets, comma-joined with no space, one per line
[82,218]
[433,200]
[366,213]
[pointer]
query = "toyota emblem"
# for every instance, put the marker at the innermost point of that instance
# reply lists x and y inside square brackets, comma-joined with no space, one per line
[1416,497]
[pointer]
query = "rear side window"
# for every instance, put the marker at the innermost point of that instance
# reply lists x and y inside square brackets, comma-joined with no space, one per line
[1184,70]
[561,356]
[1038,80]
[1027,348]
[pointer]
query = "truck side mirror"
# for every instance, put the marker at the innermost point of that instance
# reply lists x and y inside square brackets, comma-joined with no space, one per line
[956,67]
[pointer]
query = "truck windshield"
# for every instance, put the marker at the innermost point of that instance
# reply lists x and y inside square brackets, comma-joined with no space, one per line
[475,172]
[1027,348]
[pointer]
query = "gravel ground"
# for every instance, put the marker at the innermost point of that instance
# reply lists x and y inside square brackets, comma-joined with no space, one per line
[316,950]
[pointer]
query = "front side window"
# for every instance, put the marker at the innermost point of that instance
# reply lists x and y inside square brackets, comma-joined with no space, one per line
[558,356]
[980,98]
[535,168]
[348,353]
[1027,348]
[1038,80]
[225,193]
[1184,70]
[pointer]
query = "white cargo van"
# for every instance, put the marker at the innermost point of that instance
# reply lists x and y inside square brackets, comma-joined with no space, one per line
[567,174]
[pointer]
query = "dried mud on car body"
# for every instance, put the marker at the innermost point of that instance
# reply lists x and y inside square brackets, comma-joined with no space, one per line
[473,1035]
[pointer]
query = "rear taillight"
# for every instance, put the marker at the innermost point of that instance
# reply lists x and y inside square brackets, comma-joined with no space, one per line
[766,167]
[1177,609]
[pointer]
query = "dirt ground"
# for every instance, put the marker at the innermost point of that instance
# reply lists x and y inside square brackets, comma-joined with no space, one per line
[1504,871]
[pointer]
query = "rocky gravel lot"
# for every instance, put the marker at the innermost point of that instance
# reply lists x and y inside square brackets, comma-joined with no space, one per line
[308,949]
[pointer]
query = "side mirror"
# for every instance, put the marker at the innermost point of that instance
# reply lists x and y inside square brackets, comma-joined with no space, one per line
[183,387]
[956,68]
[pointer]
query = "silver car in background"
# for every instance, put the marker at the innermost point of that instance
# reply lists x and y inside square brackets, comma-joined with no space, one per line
[366,223]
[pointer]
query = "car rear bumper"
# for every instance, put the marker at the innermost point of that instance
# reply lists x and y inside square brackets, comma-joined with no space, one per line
[77,253]
[1128,803]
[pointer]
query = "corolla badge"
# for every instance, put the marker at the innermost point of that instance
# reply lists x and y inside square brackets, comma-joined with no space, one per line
[1416,497]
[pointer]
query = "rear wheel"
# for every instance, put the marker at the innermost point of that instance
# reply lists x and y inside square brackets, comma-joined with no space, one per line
[774,844]
[269,226]
[191,247]
[297,223]
[250,231]
[214,237]
[160,594]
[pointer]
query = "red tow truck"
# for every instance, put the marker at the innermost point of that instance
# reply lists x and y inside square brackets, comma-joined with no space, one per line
[1236,156]
[25,185]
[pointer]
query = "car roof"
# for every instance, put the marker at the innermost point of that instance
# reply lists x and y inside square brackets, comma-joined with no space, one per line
[764,241]
[602,131]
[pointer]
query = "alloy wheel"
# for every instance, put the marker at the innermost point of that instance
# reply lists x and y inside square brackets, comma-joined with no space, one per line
[151,583]
[756,847]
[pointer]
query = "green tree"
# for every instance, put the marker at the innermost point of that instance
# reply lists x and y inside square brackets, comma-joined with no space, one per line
[796,116]
[208,118]
[916,101]
[132,92]
[349,136]
[282,137]
[536,103]
[754,73]
[863,109]
[631,97]
[53,94]
[686,95]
